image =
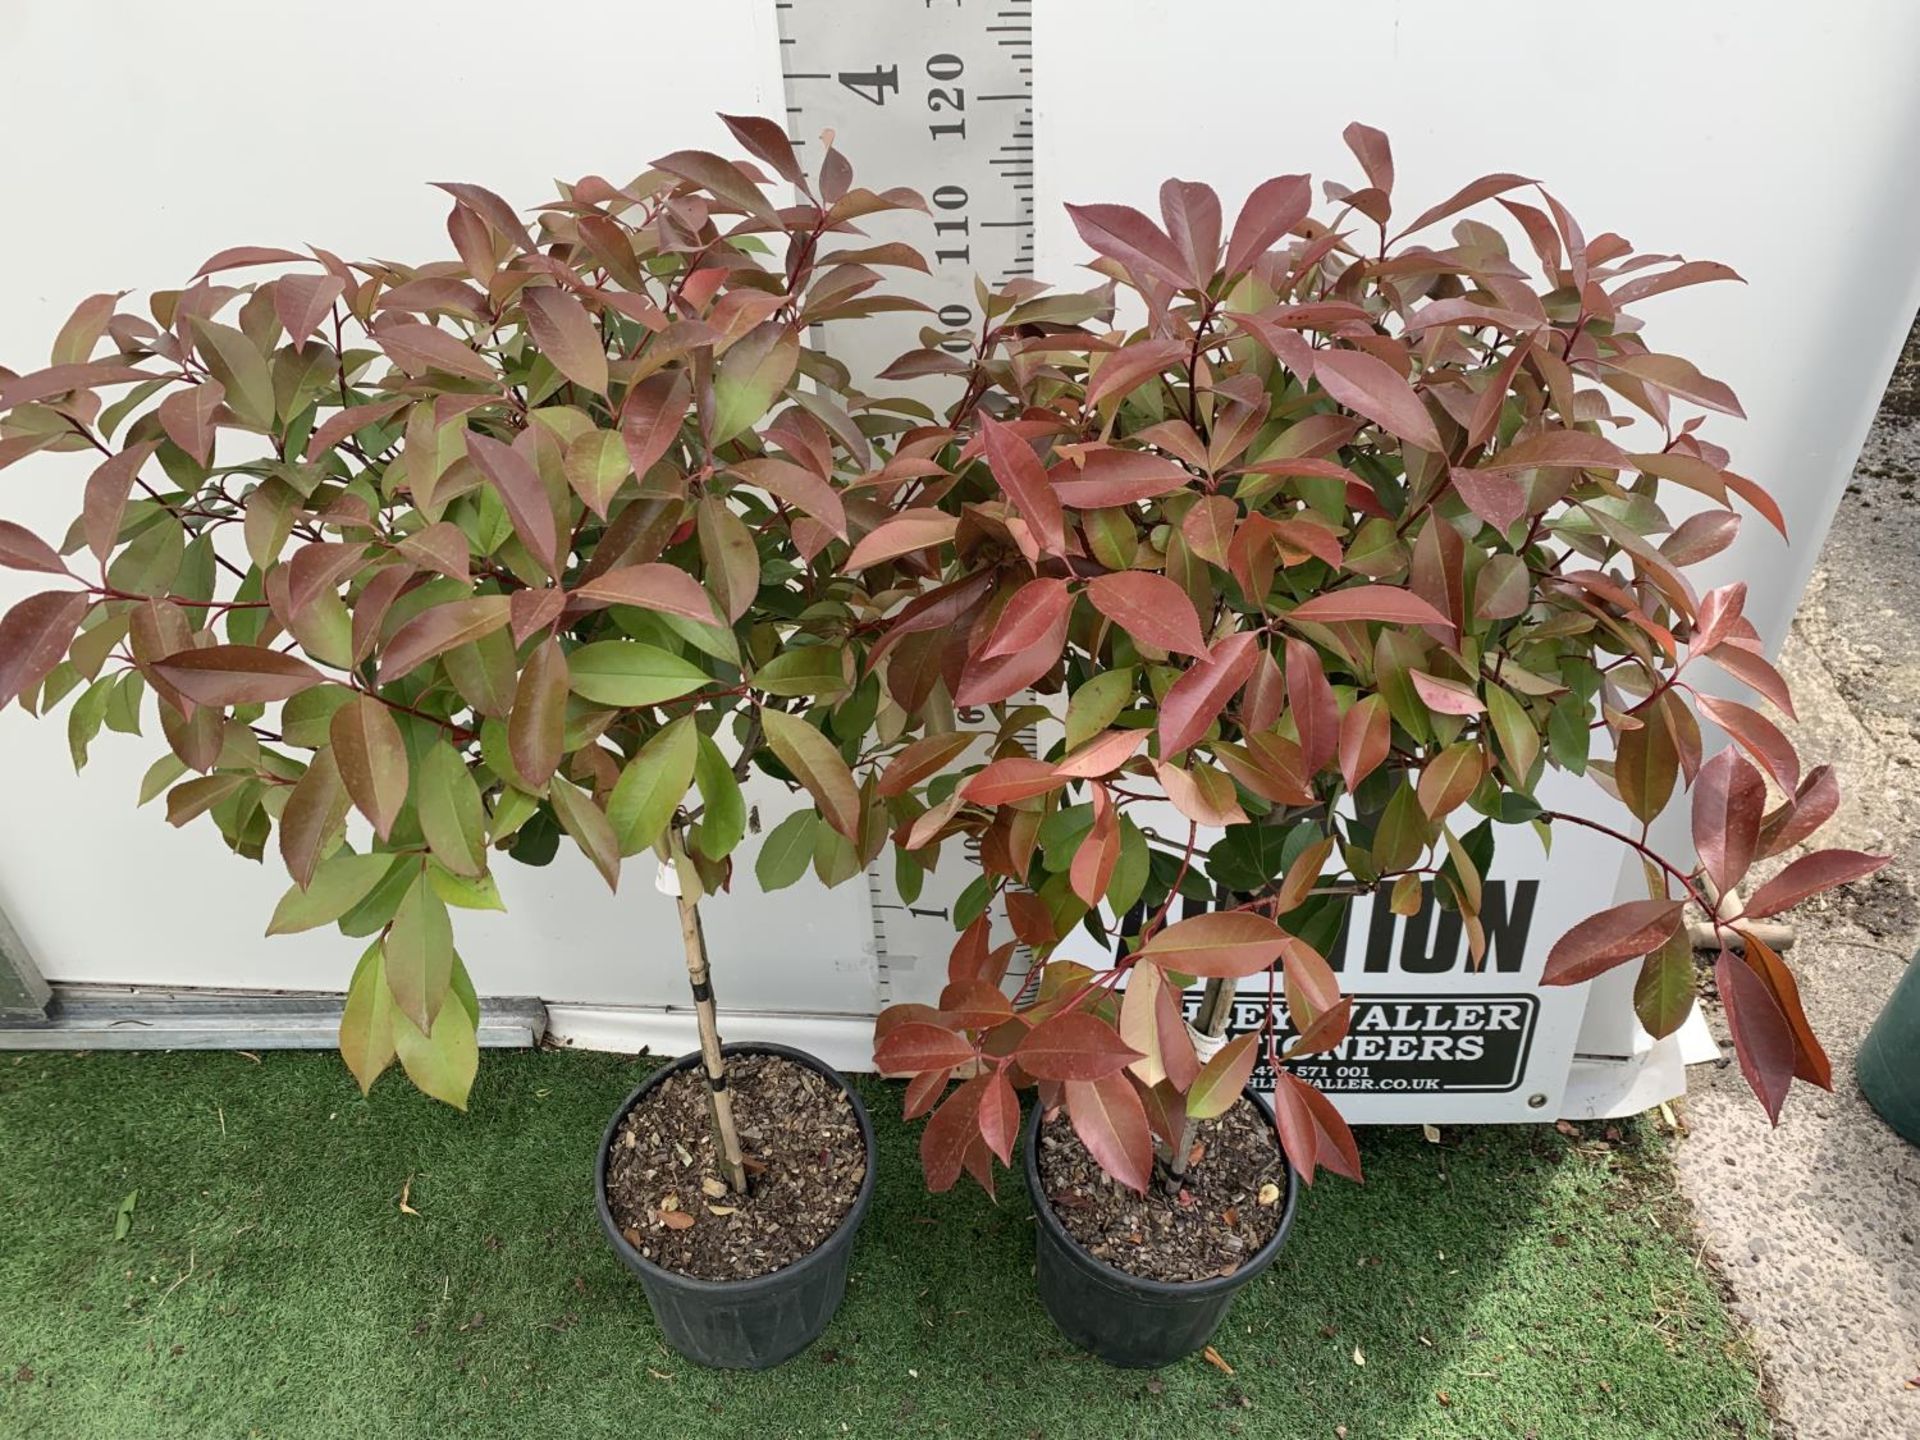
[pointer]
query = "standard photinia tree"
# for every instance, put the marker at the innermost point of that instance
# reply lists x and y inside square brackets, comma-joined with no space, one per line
[1332,549]
[545,540]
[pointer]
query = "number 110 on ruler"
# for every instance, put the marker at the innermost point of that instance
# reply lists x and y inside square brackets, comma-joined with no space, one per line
[932,94]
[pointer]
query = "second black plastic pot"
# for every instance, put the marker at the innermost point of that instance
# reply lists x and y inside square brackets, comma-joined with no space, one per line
[1127,1319]
[744,1324]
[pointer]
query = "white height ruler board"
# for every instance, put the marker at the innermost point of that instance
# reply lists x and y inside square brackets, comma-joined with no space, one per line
[938,97]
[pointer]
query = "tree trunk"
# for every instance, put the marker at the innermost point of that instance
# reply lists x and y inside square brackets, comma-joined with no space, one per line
[1216,1004]
[726,1137]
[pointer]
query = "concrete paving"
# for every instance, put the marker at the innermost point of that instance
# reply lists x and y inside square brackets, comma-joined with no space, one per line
[1814,1225]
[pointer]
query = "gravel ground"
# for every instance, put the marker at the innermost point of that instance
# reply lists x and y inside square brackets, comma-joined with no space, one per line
[1814,1225]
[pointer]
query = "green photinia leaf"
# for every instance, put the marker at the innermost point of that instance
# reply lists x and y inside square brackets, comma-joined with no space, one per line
[652,786]
[627,673]
[787,851]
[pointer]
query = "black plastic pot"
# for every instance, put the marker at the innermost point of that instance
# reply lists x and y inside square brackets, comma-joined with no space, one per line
[744,1324]
[1126,1319]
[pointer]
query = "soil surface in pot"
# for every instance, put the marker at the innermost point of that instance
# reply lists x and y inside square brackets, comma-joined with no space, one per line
[1229,1206]
[805,1164]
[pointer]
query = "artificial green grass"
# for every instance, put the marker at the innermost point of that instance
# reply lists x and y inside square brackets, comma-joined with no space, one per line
[1506,1282]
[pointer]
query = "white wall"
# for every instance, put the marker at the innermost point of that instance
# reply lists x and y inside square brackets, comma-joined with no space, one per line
[1780,139]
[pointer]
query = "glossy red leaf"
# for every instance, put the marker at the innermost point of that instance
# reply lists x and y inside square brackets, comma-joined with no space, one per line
[1150,608]
[1015,778]
[929,755]
[1020,474]
[1811,874]
[566,335]
[1102,755]
[1368,602]
[1228,944]
[1366,735]
[237,675]
[523,493]
[1073,1046]
[652,586]
[1371,388]
[919,1045]
[1310,700]
[1762,1039]
[1108,479]
[21,549]
[1600,942]
[1098,852]
[1273,209]
[1122,233]
[905,534]
[1813,805]
[946,1138]
[1196,699]
[651,415]
[999,1116]
[1758,736]
[1032,613]
[1111,1122]
[764,140]
[1729,799]
[438,629]
[34,638]
[1810,1062]
[1191,212]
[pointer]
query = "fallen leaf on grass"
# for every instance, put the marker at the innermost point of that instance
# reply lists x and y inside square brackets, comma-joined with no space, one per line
[1359,1356]
[123,1216]
[406,1190]
[1212,1357]
[1432,1132]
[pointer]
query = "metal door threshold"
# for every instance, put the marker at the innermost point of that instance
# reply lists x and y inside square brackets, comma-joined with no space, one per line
[139,1017]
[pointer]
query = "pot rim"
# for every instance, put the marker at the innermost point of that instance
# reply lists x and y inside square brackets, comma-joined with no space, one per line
[1165,1289]
[821,1254]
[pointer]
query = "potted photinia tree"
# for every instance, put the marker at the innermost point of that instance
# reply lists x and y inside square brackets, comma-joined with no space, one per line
[1324,559]
[413,564]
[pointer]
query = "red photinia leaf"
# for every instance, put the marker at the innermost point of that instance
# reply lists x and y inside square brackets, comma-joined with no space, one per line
[650,417]
[1334,1143]
[1679,377]
[318,568]
[1762,1039]
[1562,449]
[342,423]
[439,629]
[1108,479]
[566,335]
[21,549]
[973,1005]
[986,681]
[1123,371]
[523,493]
[1293,1119]
[1498,499]
[1370,148]
[1017,777]
[1098,851]
[1366,735]
[372,759]
[1222,1078]
[1812,806]
[1811,874]
[1450,777]
[955,1127]
[929,755]
[1368,602]
[1758,736]
[999,1116]
[1122,233]
[1445,697]
[1598,943]
[237,675]
[798,487]
[923,1090]
[1810,1062]
[1373,389]
[106,497]
[1756,671]
[532,610]
[1102,755]
[1201,793]
[1191,212]
[1020,474]
[441,547]
[1030,918]
[1150,608]
[59,379]
[1111,1122]
[1316,714]
[904,534]
[1485,188]
[237,256]
[490,208]
[1729,799]
[1717,616]
[537,724]
[1209,526]
[721,176]
[764,140]
[34,638]
[1073,1046]
[191,416]
[1034,610]
[1196,699]
[301,302]
[1229,944]
[1273,209]
[918,1045]
[652,586]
